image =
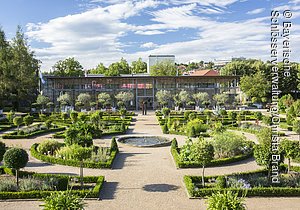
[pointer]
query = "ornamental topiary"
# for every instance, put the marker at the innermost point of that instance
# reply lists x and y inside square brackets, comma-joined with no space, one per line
[2,150]
[165,129]
[221,182]
[174,143]
[48,147]
[15,158]
[28,120]
[114,145]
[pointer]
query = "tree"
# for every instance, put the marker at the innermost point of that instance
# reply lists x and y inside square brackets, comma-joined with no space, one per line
[296,128]
[2,150]
[80,154]
[42,101]
[124,97]
[113,70]
[84,99]
[257,91]
[22,80]
[124,66]
[285,102]
[28,120]
[163,97]
[100,69]
[104,99]
[164,68]
[263,151]
[200,97]
[290,150]
[68,67]
[15,158]
[221,99]
[18,121]
[64,99]
[5,68]
[203,152]
[138,66]
[183,97]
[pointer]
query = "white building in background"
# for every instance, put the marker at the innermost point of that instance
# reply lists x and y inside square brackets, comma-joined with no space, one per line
[154,59]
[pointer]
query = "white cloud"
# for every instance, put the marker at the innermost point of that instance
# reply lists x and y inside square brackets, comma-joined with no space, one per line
[149,32]
[148,45]
[219,3]
[256,11]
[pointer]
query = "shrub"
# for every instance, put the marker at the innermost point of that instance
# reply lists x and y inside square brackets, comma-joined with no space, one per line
[174,143]
[48,123]
[43,117]
[266,120]
[48,147]
[114,145]
[165,111]
[63,200]
[229,144]
[258,115]
[64,116]
[221,182]
[192,116]
[74,152]
[225,200]
[2,150]
[165,129]
[187,114]
[17,121]
[197,125]
[28,120]
[74,116]
[191,132]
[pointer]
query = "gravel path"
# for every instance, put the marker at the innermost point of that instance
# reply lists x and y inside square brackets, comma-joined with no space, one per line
[144,178]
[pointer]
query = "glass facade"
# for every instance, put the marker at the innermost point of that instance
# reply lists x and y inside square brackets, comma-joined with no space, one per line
[143,87]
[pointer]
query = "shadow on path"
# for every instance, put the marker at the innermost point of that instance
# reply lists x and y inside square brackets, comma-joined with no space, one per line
[160,187]
[37,164]
[108,191]
[120,160]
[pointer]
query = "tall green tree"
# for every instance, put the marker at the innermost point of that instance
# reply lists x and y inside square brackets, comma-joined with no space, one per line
[164,68]
[163,97]
[100,69]
[6,73]
[113,70]
[138,66]
[68,67]
[200,98]
[260,90]
[23,73]
[124,66]
[290,150]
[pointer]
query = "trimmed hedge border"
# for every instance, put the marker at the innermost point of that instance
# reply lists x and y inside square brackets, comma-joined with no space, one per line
[217,162]
[194,192]
[25,136]
[62,185]
[75,163]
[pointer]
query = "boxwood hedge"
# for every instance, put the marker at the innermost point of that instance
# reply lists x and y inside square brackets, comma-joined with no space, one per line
[63,182]
[86,164]
[195,192]
[15,135]
[192,164]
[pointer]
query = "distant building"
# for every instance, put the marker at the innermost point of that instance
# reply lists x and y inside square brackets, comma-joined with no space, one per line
[199,72]
[154,59]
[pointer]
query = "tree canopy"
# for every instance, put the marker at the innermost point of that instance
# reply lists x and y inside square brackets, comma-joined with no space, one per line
[68,67]
[18,71]
[138,66]
[164,68]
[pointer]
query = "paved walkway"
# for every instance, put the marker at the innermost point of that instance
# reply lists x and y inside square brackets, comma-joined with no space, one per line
[143,178]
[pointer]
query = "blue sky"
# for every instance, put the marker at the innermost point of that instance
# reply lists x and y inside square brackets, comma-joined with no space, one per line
[95,31]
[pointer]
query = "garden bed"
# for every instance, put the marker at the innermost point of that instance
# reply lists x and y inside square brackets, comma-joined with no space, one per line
[217,162]
[15,135]
[63,183]
[70,162]
[195,190]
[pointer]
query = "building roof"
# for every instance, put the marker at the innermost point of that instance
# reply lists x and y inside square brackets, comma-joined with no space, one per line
[208,72]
